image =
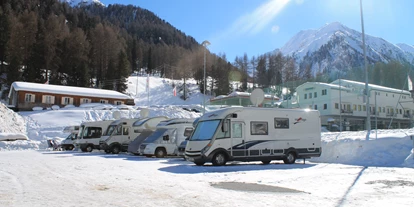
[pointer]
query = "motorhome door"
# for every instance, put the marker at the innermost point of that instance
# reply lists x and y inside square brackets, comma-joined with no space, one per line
[238,146]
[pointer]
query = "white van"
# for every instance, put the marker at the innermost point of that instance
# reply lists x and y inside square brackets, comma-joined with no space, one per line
[69,142]
[121,132]
[255,134]
[90,134]
[166,139]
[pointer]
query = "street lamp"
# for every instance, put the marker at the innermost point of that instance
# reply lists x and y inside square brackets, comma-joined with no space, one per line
[205,43]
[366,76]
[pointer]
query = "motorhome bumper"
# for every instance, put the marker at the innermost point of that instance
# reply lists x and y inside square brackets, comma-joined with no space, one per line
[196,158]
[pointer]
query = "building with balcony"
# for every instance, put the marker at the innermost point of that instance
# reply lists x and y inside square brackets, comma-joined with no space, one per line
[343,103]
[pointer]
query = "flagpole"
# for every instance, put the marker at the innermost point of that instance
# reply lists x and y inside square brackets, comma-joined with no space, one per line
[148,89]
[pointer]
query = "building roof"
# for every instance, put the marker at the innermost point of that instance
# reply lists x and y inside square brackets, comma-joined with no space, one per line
[328,85]
[371,86]
[68,90]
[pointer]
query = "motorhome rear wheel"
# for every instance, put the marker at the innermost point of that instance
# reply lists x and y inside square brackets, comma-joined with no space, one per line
[290,158]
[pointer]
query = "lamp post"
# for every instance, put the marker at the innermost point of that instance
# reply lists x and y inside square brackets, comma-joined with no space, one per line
[205,43]
[366,76]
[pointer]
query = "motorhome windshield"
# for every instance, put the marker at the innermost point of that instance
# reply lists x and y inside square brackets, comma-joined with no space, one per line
[110,129]
[140,122]
[205,130]
[154,136]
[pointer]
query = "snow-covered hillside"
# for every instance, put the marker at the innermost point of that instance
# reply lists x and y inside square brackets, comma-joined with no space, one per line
[82,2]
[337,47]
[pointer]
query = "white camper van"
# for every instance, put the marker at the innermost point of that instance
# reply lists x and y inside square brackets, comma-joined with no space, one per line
[255,134]
[121,132]
[90,134]
[166,139]
[69,142]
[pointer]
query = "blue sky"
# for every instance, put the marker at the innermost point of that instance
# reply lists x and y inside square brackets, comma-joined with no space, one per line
[255,27]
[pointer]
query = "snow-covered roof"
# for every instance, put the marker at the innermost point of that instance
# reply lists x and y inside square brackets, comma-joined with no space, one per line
[371,86]
[328,85]
[246,94]
[12,136]
[69,90]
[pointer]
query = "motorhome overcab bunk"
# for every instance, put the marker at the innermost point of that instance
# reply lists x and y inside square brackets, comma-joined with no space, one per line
[255,134]
[121,132]
[166,138]
[90,134]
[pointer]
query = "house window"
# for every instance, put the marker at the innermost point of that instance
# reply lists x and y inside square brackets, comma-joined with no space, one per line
[310,95]
[359,107]
[48,99]
[85,100]
[324,92]
[336,106]
[29,97]
[354,107]
[325,106]
[282,123]
[306,96]
[258,128]
[67,100]
[315,95]
[365,108]
[103,101]
[119,102]
[315,107]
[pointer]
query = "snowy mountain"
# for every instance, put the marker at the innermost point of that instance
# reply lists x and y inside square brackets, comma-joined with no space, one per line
[82,2]
[337,47]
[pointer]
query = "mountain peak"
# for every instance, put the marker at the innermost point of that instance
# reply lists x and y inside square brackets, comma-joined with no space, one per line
[83,2]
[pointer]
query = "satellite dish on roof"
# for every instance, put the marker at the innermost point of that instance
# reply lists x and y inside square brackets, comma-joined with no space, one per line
[116,115]
[257,96]
[144,113]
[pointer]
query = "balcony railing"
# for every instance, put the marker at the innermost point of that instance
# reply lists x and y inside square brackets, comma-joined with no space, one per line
[346,111]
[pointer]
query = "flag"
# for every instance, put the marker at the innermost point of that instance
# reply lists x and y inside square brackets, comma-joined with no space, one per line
[410,84]
[147,88]
[175,91]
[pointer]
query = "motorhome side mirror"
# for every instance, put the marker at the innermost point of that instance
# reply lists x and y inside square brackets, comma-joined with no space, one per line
[166,137]
[225,126]
[188,138]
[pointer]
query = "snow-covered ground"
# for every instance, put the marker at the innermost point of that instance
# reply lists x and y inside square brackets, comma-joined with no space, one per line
[352,171]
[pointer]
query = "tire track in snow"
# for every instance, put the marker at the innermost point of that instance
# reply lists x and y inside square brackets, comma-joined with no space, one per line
[11,189]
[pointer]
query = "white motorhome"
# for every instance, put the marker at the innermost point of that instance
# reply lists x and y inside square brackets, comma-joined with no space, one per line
[255,134]
[69,142]
[90,134]
[121,132]
[166,139]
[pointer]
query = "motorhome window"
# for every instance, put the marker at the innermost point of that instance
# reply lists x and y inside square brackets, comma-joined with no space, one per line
[118,130]
[221,133]
[140,122]
[281,123]
[258,128]
[92,132]
[110,129]
[154,136]
[205,130]
[188,131]
[236,130]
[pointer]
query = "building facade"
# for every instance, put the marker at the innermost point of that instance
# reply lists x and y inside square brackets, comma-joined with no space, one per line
[342,103]
[24,96]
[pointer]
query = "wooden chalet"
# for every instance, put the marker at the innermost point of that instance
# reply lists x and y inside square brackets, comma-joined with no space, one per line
[23,96]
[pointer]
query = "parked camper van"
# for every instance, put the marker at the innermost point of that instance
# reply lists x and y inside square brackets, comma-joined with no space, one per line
[69,142]
[166,139]
[121,132]
[183,144]
[90,134]
[255,134]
